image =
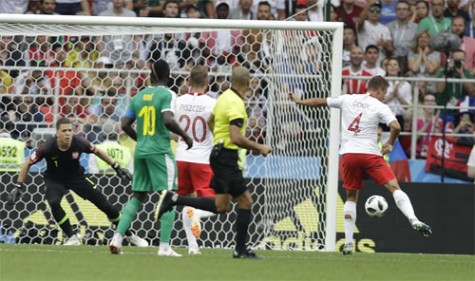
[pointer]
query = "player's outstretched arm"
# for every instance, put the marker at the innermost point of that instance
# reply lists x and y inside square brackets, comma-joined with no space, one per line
[314,102]
[241,141]
[169,121]
[211,122]
[127,127]
[122,173]
[18,188]
[394,130]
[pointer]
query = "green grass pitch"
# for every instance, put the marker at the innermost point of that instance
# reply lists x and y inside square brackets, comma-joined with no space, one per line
[39,262]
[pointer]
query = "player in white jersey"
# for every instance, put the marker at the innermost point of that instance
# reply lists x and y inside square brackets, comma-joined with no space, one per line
[360,152]
[194,172]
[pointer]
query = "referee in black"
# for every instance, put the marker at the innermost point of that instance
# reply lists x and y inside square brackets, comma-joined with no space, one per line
[64,172]
[228,122]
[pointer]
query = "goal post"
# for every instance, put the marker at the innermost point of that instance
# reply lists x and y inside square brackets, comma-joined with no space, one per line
[295,188]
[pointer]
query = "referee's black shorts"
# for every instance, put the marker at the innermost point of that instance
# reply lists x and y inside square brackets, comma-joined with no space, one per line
[227,177]
[81,185]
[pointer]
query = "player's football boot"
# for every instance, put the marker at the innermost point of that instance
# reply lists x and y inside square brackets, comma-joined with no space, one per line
[421,227]
[169,253]
[72,241]
[195,222]
[347,249]
[115,246]
[135,240]
[164,204]
[194,252]
[246,254]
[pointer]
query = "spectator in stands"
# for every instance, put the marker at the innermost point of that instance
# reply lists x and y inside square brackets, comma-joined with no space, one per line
[145,8]
[371,61]
[68,81]
[221,47]
[73,7]
[243,11]
[6,82]
[277,8]
[258,41]
[300,13]
[420,11]
[119,48]
[10,55]
[47,7]
[192,12]
[436,22]
[171,49]
[350,40]
[264,11]
[40,50]
[256,119]
[82,54]
[399,94]
[13,7]
[452,10]
[27,110]
[423,61]
[73,110]
[471,164]
[450,93]
[257,91]
[99,6]
[6,126]
[100,114]
[355,86]
[470,29]
[348,13]
[465,126]
[171,9]
[315,10]
[34,82]
[206,7]
[33,7]
[403,32]
[468,43]
[97,82]
[388,11]
[427,125]
[105,111]
[372,32]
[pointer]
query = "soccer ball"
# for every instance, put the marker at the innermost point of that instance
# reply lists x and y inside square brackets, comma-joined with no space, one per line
[376,206]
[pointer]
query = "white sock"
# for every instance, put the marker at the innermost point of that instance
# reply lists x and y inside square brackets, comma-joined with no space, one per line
[349,209]
[192,243]
[204,214]
[118,238]
[164,246]
[404,204]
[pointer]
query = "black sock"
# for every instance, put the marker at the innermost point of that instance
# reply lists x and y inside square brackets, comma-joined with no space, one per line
[202,203]
[67,228]
[242,224]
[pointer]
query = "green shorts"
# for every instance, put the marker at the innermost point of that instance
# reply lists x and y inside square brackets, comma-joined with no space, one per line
[156,173]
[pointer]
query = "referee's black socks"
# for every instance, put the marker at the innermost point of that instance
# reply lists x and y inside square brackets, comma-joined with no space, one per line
[242,224]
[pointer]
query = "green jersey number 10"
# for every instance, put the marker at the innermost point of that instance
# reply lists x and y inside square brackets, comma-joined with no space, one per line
[149,116]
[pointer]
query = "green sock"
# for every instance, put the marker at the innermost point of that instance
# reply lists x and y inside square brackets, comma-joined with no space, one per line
[128,215]
[166,225]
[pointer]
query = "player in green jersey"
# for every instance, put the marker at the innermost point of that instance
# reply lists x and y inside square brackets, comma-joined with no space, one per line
[154,164]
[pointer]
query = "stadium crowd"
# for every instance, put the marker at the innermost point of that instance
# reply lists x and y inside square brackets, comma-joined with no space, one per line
[95,76]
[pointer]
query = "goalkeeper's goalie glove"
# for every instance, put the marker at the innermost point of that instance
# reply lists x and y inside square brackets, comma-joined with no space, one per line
[15,194]
[121,172]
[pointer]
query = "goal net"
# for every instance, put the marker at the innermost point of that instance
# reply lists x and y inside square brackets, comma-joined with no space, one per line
[88,68]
